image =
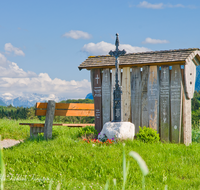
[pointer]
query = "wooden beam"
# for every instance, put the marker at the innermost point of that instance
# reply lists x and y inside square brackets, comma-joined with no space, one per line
[67,113]
[84,106]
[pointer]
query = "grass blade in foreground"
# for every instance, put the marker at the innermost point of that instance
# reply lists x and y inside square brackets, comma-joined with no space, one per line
[125,169]
[142,164]
[3,173]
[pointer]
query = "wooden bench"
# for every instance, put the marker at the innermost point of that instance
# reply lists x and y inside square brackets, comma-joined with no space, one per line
[52,109]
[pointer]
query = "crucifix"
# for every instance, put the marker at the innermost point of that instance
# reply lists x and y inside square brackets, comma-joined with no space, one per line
[117,90]
[164,72]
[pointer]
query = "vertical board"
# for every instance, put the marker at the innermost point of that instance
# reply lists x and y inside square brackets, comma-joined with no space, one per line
[144,97]
[112,87]
[126,95]
[153,97]
[136,97]
[164,104]
[187,118]
[176,103]
[97,88]
[190,77]
[106,95]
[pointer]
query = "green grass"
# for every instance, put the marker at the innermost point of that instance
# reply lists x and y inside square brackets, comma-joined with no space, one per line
[72,163]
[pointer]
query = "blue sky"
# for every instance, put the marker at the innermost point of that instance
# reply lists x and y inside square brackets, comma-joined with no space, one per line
[43,42]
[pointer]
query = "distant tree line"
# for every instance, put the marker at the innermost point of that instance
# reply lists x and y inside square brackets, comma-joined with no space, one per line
[196,107]
[11,112]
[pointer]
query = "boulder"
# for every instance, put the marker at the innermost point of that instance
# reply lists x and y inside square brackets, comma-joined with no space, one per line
[119,130]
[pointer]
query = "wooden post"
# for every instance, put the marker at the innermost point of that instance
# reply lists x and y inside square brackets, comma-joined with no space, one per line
[153,98]
[106,96]
[97,88]
[164,104]
[144,97]
[49,119]
[136,97]
[176,103]
[189,84]
[126,95]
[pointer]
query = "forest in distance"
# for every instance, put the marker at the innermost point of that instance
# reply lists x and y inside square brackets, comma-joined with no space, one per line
[29,113]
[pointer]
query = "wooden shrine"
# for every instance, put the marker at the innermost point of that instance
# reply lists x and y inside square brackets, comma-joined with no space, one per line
[157,88]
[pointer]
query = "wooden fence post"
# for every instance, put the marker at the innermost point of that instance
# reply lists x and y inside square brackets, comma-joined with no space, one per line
[49,119]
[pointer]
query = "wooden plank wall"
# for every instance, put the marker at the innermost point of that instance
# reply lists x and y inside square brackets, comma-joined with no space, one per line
[155,97]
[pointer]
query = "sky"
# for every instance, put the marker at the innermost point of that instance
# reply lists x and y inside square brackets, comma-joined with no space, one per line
[42,42]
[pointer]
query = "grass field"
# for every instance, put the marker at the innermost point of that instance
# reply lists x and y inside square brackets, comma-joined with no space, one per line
[71,163]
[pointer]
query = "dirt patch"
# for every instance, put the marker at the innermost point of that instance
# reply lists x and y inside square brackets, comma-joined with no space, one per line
[6,143]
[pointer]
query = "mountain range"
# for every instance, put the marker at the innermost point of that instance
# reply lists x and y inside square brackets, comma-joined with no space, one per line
[29,100]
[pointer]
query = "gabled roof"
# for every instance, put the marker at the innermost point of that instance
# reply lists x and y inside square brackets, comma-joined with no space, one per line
[168,57]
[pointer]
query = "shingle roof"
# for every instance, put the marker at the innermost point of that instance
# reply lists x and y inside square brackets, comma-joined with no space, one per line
[135,59]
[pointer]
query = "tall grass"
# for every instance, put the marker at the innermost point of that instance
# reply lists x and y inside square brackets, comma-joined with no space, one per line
[74,164]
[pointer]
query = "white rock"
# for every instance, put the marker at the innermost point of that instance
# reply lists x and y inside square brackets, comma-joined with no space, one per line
[119,130]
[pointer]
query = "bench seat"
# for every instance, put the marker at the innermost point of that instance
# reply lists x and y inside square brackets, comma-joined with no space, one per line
[52,109]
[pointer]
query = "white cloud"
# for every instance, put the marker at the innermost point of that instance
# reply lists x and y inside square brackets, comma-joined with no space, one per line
[14,80]
[77,34]
[154,41]
[10,48]
[147,5]
[103,48]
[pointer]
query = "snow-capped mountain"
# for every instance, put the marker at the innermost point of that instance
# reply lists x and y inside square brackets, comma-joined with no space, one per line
[27,100]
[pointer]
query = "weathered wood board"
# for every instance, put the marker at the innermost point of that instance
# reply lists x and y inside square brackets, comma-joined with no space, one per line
[49,119]
[97,90]
[112,87]
[164,104]
[176,103]
[190,77]
[144,97]
[187,119]
[126,95]
[153,97]
[106,96]
[136,97]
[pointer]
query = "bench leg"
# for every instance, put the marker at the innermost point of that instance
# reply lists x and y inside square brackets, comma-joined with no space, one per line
[35,130]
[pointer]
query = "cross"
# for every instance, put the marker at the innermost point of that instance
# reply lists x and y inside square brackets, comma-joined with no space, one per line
[164,72]
[117,90]
[175,73]
[106,77]
[97,78]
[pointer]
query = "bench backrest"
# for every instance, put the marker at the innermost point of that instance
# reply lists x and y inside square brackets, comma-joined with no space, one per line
[66,109]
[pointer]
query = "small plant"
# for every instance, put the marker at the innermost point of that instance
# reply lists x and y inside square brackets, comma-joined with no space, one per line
[88,132]
[148,135]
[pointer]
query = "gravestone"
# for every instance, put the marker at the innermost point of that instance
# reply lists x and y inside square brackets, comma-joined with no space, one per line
[97,91]
[144,97]
[136,97]
[153,98]
[106,96]
[176,103]
[164,104]
[126,95]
